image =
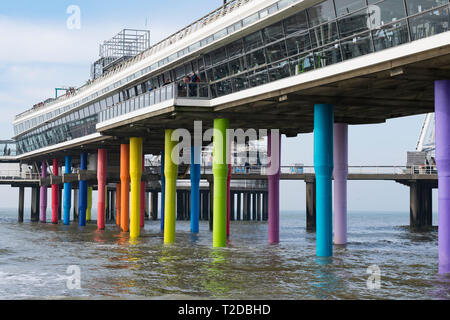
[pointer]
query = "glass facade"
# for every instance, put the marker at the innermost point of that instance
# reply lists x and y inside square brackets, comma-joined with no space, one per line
[325,34]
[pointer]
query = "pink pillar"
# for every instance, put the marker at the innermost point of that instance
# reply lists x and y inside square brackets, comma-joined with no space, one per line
[43,194]
[340,182]
[55,194]
[274,154]
[143,195]
[101,179]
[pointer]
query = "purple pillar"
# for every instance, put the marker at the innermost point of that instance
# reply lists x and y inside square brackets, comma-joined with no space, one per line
[442,110]
[274,154]
[340,182]
[43,200]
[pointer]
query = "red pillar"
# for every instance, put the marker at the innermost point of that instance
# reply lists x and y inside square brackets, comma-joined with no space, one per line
[55,194]
[101,178]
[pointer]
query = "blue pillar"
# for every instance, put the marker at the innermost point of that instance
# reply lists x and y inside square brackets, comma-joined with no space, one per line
[195,187]
[163,190]
[67,192]
[82,204]
[323,166]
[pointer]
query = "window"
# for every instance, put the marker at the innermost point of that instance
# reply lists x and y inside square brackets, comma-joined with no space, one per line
[321,13]
[218,56]
[417,6]
[385,12]
[279,70]
[235,49]
[344,7]
[273,33]
[221,71]
[295,24]
[354,23]
[327,56]
[429,24]
[253,41]
[276,51]
[249,20]
[390,36]
[357,46]
[324,34]
[256,58]
[237,65]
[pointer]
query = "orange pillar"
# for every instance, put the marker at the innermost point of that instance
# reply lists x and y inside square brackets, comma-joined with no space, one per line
[118,204]
[125,187]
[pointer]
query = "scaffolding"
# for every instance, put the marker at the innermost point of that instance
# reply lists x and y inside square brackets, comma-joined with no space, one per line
[127,44]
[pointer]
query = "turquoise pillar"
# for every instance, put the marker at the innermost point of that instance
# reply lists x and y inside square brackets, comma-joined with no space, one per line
[323,166]
[67,192]
[195,188]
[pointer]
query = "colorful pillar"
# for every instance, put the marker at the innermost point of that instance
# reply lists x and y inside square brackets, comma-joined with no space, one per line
[82,198]
[220,172]
[118,198]
[142,196]
[102,164]
[228,197]
[135,175]
[163,191]
[89,205]
[125,187]
[55,194]
[274,154]
[43,194]
[195,187]
[323,166]
[442,131]
[67,192]
[171,173]
[340,182]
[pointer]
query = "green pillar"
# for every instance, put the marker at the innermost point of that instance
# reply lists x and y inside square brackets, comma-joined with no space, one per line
[220,171]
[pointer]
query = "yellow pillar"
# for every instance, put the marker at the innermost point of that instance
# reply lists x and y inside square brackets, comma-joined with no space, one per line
[135,176]
[170,173]
[89,205]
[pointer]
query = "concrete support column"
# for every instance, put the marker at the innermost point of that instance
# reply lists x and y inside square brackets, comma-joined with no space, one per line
[265,206]
[67,192]
[238,206]
[102,170]
[163,190]
[421,206]
[171,174]
[89,205]
[258,207]
[311,205]
[135,176]
[232,207]
[245,206]
[83,192]
[274,171]
[118,203]
[211,204]
[220,173]
[147,208]
[21,203]
[154,207]
[340,182]
[442,110]
[75,205]
[55,194]
[323,165]
[125,187]
[35,204]
[43,194]
[142,195]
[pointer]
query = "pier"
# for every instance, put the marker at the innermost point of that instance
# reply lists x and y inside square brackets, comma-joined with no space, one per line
[248,71]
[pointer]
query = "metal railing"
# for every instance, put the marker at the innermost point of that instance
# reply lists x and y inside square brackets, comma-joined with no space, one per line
[17,175]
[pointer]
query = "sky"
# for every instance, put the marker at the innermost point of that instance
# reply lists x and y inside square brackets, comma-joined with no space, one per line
[39,53]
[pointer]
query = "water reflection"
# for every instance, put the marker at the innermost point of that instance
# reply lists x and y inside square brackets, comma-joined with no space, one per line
[216,280]
[325,280]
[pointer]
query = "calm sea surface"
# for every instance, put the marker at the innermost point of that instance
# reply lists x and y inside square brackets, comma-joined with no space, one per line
[34,262]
